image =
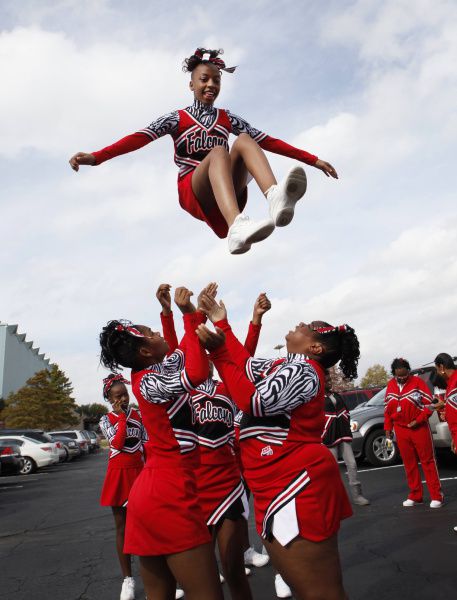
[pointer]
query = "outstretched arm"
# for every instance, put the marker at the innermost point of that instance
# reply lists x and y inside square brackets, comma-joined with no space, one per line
[239,125]
[166,124]
[261,306]
[163,295]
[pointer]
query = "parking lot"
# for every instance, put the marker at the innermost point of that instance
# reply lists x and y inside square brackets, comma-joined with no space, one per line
[57,543]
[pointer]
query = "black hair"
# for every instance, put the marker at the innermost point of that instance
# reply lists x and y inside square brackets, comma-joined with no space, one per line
[118,347]
[399,363]
[342,346]
[445,360]
[189,64]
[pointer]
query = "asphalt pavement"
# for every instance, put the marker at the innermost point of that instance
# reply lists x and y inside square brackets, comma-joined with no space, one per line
[57,543]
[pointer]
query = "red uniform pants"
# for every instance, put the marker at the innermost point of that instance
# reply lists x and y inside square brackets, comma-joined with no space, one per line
[416,445]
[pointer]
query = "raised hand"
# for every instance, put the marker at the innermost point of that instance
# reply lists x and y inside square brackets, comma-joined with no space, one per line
[261,306]
[117,407]
[209,290]
[182,300]
[164,297]
[326,168]
[81,158]
[214,311]
[211,340]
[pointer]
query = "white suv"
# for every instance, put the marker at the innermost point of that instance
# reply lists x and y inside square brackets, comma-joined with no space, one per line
[75,434]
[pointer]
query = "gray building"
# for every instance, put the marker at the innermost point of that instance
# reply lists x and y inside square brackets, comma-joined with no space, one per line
[19,360]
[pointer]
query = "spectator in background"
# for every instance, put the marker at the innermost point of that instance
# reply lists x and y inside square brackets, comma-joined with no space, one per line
[337,436]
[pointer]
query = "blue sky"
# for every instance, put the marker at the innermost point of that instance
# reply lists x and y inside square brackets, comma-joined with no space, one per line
[369,86]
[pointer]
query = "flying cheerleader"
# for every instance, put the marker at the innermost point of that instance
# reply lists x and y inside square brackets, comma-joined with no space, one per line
[213,178]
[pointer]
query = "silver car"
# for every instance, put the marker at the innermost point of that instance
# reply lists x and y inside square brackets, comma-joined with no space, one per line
[367,425]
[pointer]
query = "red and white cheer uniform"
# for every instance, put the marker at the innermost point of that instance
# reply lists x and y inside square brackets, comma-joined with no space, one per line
[404,404]
[221,489]
[125,434]
[164,514]
[196,130]
[294,479]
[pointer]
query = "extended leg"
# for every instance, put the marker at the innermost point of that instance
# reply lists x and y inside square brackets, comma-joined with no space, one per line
[410,462]
[230,540]
[120,513]
[424,447]
[196,571]
[312,569]
[158,581]
[248,157]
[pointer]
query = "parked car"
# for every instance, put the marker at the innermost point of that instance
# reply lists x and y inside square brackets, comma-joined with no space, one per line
[74,434]
[40,436]
[95,440]
[35,454]
[367,425]
[70,447]
[11,461]
[358,396]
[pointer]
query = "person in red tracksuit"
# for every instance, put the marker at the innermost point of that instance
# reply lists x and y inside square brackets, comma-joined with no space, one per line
[212,180]
[221,490]
[165,526]
[299,497]
[446,369]
[408,407]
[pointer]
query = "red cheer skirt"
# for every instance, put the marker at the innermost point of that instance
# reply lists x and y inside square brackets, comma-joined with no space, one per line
[212,216]
[122,471]
[164,515]
[221,492]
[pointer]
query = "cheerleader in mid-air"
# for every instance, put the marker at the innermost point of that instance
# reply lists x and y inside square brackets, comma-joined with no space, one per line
[123,429]
[212,180]
[165,525]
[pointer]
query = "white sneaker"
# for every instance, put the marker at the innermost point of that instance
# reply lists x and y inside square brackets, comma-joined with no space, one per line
[247,571]
[281,587]
[284,196]
[128,589]
[245,232]
[436,504]
[409,502]
[255,559]
[179,593]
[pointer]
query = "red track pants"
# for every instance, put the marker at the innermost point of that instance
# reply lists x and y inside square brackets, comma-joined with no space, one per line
[416,445]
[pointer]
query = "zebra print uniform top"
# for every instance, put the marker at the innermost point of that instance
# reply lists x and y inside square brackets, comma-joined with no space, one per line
[282,400]
[196,130]
[124,432]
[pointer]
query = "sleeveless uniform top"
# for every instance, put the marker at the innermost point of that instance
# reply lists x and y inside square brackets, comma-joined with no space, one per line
[337,427]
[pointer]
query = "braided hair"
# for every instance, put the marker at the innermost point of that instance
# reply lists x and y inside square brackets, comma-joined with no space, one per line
[197,58]
[399,363]
[341,344]
[120,341]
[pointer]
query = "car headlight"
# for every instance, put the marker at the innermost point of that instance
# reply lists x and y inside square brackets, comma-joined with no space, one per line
[354,426]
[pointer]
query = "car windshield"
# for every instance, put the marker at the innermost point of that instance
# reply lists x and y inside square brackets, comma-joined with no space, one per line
[70,434]
[378,399]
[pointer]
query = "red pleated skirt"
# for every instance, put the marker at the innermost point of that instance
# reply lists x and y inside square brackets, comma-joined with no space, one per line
[120,476]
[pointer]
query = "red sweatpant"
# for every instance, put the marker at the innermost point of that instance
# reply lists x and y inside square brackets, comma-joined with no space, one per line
[416,445]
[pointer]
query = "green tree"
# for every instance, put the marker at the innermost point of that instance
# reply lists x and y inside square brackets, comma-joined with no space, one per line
[92,413]
[44,402]
[376,376]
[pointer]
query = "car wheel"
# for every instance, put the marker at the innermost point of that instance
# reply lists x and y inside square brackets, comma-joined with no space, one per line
[29,466]
[377,452]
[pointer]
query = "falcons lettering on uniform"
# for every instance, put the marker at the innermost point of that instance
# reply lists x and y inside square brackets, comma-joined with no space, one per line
[134,432]
[209,413]
[198,141]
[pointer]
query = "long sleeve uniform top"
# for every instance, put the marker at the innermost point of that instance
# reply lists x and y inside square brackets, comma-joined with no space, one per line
[407,403]
[451,404]
[124,432]
[163,393]
[213,410]
[282,403]
[196,130]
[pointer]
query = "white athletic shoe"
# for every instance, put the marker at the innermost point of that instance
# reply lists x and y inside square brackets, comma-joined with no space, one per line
[255,559]
[179,593]
[409,502]
[245,232]
[284,196]
[281,587]
[436,504]
[128,589]
[247,571]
